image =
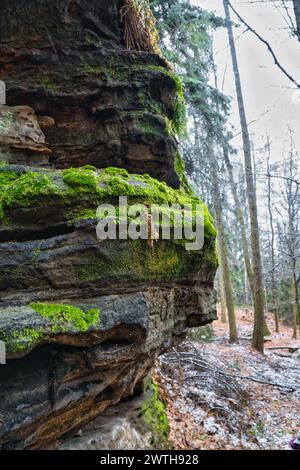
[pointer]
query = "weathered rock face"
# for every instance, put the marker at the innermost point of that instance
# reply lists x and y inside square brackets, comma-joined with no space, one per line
[83,319]
[123,427]
[21,137]
[118,428]
[110,106]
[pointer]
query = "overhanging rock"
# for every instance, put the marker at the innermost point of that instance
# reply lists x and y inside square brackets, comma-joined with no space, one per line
[83,320]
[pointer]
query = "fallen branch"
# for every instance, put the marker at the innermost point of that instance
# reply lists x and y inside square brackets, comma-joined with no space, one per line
[291,349]
[253,379]
[198,361]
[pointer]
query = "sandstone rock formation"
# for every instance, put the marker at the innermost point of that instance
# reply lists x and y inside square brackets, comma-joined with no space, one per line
[117,428]
[111,107]
[124,427]
[82,319]
[21,137]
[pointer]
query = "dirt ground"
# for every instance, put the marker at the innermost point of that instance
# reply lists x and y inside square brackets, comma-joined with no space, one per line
[223,396]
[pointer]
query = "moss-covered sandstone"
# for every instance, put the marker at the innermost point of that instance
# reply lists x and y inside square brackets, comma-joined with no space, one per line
[83,318]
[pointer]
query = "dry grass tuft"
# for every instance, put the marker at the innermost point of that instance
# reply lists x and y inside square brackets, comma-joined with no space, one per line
[140,33]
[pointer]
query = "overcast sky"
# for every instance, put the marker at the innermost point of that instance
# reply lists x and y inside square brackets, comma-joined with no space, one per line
[265,87]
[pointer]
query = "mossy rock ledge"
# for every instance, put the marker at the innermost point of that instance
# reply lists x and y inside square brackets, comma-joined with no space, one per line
[79,306]
[83,319]
[48,221]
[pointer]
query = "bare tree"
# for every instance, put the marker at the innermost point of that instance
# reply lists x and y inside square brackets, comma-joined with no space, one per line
[223,249]
[288,236]
[296,4]
[222,290]
[292,239]
[271,238]
[240,218]
[259,296]
[268,46]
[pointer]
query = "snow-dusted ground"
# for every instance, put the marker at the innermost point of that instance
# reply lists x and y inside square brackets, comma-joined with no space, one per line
[222,396]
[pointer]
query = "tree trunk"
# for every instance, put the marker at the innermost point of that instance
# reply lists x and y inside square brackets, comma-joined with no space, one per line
[297,16]
[233,336]
[240,218]
[222,290]
[272,242]
[259,297]
[295,304]
[292,241]
[247,300]
[223,301]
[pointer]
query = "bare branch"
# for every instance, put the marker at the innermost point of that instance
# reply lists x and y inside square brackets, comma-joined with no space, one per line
[266,44]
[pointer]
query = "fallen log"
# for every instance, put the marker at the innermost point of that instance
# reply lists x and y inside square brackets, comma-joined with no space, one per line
[291,349]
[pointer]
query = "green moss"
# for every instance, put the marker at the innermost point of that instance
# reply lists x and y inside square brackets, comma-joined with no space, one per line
[62,319]
[89,167]
[155,417]
[4,156]
[92,70]
[161,128]
[81,179]
[28,189]
[84,214]
[125,260]
[258,430]
[109,73]
[180,170]
[21,340]
[134,261]
[152,122]
[147,103]
[178,123]
[33,187]
[149,191]
[46,83]
[148,128]
[165,262]
[179,118]
[90,188]
[112,171]
[36,253]
[7,177]
[65,317]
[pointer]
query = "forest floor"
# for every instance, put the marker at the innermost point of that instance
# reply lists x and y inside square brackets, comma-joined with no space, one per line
[223,396]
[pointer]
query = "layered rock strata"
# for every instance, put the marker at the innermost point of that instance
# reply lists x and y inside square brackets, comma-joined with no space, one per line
[109,106]
[84,318]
